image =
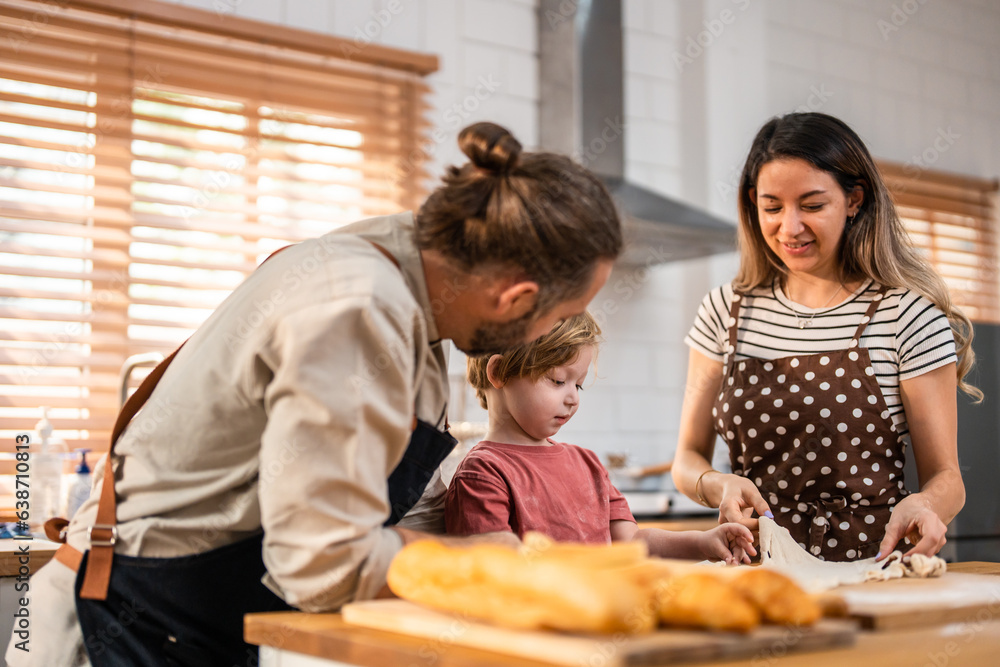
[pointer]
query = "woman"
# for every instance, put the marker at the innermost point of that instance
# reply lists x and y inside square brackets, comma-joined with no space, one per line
[835,348]
[294,436]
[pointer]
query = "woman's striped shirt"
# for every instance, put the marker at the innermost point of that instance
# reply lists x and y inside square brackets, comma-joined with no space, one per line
[907,337]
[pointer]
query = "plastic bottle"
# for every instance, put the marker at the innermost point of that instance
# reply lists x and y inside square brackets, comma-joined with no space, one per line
[80,490]
[46,476]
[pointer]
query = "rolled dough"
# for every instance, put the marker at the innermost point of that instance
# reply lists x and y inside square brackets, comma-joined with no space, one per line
[781,552]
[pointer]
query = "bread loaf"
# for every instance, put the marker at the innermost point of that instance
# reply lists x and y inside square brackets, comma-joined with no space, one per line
[503,586]
[703,600]
[594,589]
[778,598]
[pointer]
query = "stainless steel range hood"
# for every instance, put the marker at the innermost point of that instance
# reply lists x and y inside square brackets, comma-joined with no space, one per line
[582,113]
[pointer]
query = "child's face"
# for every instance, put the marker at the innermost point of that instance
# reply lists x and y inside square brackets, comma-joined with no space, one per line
[540,407]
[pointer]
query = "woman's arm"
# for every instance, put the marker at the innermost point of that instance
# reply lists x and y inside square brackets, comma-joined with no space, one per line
[736,497]
[696,439]
[931,413]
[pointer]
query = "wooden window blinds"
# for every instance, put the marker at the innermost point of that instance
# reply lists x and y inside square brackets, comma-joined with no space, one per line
[952,219]
[151,155]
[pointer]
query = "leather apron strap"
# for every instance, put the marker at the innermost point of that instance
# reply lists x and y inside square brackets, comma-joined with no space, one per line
[104,533]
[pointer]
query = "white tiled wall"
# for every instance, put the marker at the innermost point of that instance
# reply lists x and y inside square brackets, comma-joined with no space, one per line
[689,127]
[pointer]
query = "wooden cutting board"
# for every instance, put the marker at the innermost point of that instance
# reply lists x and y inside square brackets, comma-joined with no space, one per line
[903,603]
[662,647]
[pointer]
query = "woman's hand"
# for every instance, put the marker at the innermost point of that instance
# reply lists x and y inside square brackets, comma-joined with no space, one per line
[915,520]
[729,542]
[739,500]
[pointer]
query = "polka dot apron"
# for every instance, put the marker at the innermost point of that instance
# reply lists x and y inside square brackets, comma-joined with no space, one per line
[813,432]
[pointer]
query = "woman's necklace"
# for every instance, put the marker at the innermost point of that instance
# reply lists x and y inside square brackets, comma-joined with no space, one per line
[802,324]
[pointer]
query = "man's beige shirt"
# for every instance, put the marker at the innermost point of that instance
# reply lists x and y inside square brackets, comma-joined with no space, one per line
[287,410]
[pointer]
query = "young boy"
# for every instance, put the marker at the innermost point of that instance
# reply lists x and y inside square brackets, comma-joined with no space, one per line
[520,480]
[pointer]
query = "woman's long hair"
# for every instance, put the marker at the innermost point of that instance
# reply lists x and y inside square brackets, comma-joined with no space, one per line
[875,244]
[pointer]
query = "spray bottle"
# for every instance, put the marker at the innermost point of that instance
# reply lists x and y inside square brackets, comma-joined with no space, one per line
[80,490]
[46,473]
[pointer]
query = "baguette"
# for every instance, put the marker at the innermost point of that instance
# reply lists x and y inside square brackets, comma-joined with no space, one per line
[702,600]
[502,586]
[776,597]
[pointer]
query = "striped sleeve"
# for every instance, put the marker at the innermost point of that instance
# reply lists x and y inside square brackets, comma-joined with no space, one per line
[709,331]
[924,339]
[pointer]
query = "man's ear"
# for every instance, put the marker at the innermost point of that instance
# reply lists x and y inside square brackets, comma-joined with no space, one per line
[517,300]
[491,371]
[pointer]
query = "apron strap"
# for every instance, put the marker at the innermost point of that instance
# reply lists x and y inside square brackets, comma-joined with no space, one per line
[869,314]
[819,524]
[104,533]
[69,557]
[734,316]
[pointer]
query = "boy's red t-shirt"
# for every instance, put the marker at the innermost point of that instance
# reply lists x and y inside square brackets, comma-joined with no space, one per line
[560,490]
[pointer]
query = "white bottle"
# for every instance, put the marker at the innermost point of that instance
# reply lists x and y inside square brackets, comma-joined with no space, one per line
[80,490]
[46,478]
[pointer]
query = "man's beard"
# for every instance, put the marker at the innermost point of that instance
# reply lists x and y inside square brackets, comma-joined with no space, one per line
[495,338]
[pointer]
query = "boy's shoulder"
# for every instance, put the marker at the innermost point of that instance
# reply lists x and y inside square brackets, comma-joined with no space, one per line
[582,452]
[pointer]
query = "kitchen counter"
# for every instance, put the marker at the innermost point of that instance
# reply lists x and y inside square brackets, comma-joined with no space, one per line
[39,552]
[287,638]
[677,523]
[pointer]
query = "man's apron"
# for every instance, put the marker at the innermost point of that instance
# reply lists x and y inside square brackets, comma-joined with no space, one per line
[189,610]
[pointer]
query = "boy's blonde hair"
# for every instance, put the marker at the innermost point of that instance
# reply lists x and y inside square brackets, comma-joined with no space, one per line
[556,348]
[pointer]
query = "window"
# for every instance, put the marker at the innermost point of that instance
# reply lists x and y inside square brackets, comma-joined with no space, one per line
[149,160]
[952,219]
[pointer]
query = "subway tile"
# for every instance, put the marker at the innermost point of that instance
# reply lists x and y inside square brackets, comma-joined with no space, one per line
[402,29]
[664,100]
[946,85]
[648,410]
[442,36]
[314,15]
[522,74]
[663,18]
[496,22]
[790,46]
[634,15]
[484,62]
[351,17]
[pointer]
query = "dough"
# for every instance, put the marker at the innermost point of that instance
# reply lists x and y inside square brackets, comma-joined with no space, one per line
[780,551]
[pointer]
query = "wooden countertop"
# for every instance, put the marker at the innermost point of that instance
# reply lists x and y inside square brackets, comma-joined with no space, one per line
[975,641]
[39,553]
[682,523]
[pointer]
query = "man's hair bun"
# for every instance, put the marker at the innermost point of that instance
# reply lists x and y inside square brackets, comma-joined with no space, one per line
[490,147]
